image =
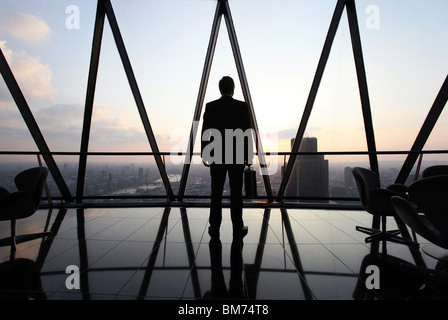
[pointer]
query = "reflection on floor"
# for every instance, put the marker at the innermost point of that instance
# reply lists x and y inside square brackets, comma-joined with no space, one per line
[165,253]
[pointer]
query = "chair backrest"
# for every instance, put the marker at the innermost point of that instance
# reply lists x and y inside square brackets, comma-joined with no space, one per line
[431,197]
[435,171]
[32,181]
[366,181]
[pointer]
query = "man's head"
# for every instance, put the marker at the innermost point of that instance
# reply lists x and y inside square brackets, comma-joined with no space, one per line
[226,86]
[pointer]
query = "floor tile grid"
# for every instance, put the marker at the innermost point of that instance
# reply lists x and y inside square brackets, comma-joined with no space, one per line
[350,241]
[289,244]
[143,265]
[226,219]
[277,229]
[296,218]
[70,232]
[398,250]
[313,243]
[225,239]
[171,237]
[90,217]
[333,219]
[394,248]
[202,240]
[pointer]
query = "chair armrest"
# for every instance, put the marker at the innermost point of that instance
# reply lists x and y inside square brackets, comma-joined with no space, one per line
[3,192]
[16,205]
[399,189]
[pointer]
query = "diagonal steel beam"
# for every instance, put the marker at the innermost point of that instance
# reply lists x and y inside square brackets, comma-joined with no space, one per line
[137,97]
[362,83]
[191,254]
[252,271]
[33,127]
[154,253]
[90,94]
[425,131]
[295,255]
[246,93]
[200,100]
[312,95]
[83,255]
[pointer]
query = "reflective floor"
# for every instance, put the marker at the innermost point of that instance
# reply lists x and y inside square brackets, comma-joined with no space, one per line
[165,253]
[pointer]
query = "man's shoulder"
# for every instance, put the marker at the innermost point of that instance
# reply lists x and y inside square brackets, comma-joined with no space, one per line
[214,104]
[226,103]
[241,103]
[241,106]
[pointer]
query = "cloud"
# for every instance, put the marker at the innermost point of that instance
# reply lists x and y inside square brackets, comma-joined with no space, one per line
[62,124]
[26,27]
[33,77]
[287,133]
[11,123]
[62,113]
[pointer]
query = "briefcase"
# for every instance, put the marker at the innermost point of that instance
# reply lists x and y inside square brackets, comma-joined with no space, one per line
[250,182]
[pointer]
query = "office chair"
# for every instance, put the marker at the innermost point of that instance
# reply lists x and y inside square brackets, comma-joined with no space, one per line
[21,204]
[426,211]
[437,170]
[376,201]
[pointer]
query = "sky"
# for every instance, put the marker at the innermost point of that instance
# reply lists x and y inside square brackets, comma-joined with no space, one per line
[48,44]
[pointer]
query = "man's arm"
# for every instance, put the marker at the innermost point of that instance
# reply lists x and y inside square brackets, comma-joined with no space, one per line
[205,126]
[248,125]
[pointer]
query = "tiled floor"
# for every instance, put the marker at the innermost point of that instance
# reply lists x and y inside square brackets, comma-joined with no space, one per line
[164,253]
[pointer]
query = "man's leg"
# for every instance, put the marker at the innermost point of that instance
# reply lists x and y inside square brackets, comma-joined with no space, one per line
[218,178]
[236,197]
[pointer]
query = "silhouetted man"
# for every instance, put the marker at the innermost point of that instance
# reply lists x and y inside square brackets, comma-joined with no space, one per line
[226,148]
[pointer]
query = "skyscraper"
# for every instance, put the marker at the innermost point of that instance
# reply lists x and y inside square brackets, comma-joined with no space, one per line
[349,180]
[309,177]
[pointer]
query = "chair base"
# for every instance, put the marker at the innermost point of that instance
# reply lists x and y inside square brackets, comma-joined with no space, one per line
[33,236]
[376,235]
[23,238]
[14,240]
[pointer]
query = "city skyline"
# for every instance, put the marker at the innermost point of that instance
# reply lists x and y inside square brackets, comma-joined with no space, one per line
[126,178]
[51,66]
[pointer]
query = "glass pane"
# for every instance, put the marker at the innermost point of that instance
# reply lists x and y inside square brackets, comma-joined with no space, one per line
[403,44]
[50,62]
[280,44]
[120,176]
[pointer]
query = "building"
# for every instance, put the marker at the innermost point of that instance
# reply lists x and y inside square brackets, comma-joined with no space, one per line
[310,176]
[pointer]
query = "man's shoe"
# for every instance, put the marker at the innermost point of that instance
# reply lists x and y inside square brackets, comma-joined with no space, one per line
[241,233]
[213,234]
[244,231]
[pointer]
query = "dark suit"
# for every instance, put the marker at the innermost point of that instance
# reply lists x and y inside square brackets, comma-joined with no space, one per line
[226,113]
